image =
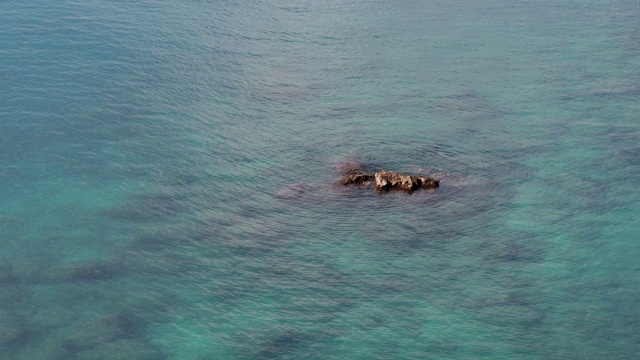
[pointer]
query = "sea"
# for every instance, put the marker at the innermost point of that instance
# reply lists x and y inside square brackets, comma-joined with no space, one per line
[169,179]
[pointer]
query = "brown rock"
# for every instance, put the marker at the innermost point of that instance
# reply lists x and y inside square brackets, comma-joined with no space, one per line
[357,179]
[354,174]
[427,182]
[387,180]
[349,168]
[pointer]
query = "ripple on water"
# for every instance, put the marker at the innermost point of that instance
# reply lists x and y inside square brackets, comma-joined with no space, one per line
[203,141]
[84,271]
[285,342]
[142,208]
[14,331]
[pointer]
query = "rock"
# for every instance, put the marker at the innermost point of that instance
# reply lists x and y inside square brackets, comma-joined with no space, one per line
[387,180]
[354,174]
[427,182]
[357,179]
[349,168]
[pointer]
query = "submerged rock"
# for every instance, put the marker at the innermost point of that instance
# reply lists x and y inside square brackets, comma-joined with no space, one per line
[121,349]
[97,331]
[294,190]
[83,271]
[12,330]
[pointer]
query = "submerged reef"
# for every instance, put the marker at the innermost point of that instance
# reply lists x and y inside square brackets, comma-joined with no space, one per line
[384,180]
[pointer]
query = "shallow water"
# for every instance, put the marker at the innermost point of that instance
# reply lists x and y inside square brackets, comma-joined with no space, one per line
[168,174]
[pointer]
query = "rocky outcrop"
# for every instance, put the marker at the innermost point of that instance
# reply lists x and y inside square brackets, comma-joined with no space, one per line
[358,179]
[354,174]
[387,180]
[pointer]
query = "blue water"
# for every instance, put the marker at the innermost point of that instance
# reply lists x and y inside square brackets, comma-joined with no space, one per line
[168,180]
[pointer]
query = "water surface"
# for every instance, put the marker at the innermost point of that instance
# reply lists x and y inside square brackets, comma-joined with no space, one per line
[168,173]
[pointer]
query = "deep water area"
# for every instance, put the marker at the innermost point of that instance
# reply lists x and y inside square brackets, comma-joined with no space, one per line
[169,177]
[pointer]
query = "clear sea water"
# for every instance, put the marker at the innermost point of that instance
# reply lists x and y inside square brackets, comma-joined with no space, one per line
[168,179]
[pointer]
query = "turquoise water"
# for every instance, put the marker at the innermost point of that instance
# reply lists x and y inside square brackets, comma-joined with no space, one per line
[168,180]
